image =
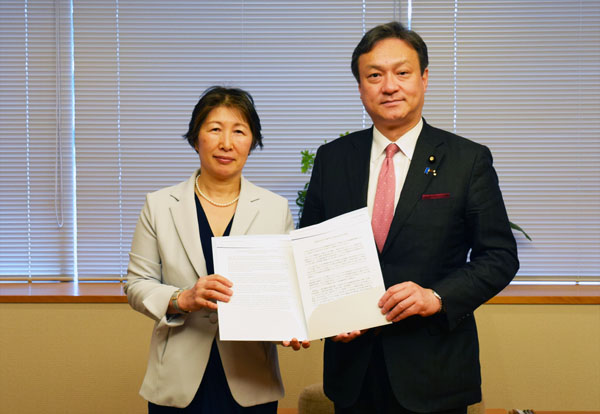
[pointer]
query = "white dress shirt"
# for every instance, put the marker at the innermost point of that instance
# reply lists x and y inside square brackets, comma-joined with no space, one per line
[401,159]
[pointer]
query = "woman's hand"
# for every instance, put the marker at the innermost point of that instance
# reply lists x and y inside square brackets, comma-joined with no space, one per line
[205,293]
[296,344]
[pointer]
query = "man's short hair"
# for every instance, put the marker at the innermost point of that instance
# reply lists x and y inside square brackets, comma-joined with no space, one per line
[387,31]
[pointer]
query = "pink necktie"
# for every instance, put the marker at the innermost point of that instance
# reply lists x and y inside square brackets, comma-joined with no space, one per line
[383,209]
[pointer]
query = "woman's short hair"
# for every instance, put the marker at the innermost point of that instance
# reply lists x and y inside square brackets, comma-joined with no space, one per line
[217,96]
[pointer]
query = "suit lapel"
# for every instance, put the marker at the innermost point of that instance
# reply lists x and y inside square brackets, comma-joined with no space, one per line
[428,144]
[246,209]
[183,212]
[357,166]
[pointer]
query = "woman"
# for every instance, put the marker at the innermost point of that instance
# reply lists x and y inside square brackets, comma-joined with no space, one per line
[170,273]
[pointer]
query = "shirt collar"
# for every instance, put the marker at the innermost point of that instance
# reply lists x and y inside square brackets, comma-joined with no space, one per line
[406,142]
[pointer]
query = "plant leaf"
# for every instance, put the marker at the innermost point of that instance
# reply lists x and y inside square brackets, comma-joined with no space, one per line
[518,228]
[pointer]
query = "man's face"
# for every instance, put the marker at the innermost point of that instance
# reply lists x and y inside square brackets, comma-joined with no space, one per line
[391,86]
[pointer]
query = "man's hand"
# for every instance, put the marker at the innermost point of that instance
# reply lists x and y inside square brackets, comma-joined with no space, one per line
[407,299]
[348,336]
[296,344]
[205,292]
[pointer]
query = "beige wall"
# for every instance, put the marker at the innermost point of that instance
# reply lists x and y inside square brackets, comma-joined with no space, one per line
[75,358]
[544,357]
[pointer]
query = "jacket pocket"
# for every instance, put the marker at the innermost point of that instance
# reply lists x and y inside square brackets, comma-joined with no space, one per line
[436,201]
[162,339]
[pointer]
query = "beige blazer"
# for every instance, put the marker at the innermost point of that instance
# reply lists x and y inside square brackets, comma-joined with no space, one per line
[166,254]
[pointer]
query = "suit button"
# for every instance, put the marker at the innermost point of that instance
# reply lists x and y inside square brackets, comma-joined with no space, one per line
[213,317]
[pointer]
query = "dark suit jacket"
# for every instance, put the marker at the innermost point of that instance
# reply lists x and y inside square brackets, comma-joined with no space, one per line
[433,362]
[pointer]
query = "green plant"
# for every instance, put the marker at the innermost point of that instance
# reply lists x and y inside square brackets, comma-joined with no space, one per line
[518,228]
[307,162]
[308,159]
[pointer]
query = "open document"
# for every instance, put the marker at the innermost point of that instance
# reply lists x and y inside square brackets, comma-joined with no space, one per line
[316,282]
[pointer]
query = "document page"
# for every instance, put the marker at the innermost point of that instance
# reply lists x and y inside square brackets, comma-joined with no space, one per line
[317,282]
[339,276]
[265,304]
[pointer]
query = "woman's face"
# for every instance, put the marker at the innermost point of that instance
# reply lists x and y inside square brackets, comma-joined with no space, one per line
[224,142]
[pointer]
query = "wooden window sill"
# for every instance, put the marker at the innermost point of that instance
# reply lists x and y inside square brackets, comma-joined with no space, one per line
[112,292]
[62,292]
[548,295]
[487,411]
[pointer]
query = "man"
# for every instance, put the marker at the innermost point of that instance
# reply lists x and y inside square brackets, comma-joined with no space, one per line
[441,228]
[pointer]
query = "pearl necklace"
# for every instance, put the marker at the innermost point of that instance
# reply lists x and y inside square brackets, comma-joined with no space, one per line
[214,203]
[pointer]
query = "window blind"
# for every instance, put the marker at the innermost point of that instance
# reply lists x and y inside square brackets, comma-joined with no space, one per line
[141,67]
[36,214]
[523,77]
[519,76]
